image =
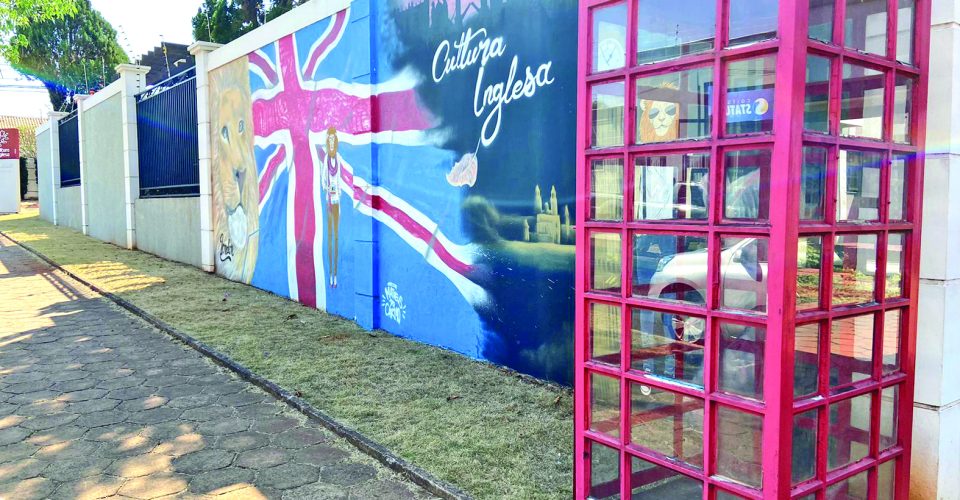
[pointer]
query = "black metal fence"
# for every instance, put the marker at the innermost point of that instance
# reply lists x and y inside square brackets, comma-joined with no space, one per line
[69,142]
[167,138]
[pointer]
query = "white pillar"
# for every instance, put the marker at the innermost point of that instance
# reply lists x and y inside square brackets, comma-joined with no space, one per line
[79,98]
[201,52]
[55,161]
[132,82]
[935,471]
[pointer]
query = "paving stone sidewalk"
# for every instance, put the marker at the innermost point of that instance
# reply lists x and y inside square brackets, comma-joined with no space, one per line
[95,403]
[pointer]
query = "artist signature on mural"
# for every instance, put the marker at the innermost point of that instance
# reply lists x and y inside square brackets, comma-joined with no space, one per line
[392,301]
[225,249]
[477,46]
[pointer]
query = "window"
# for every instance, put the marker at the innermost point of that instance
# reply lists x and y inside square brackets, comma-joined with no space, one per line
[747,185]
[892,325]
[821,20]
[753,20]
[605,404]
[804,446]
[604,472]
[849,433]
[649,481]
[902,104]
[851,350]
[854,269]
[673,187]
[898,188]
[666,30]
[861,105]
[607,115]
[743,273]
[670,267]
[905,30]
[816,111]
[750,103]
[605,251]
[668,346]
[609,38]
[674,106]
[806,371]
[667,423]
[606,184]
[739,440]
[741,360]
[858,186]
[605,333]
[809,262]
[813,183]
[865,26]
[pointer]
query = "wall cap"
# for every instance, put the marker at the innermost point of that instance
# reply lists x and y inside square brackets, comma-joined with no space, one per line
[102,95]
[200,46]
[132,68]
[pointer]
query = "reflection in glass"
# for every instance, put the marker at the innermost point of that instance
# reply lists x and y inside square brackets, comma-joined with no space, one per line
[858,186]
[804,446]
[905,19]
[902,105]
[865,26]
[849,433]
[670,267]
[853,488]
[674,106]
[672,187]
[896,245]
[606,189]
[752,20]
[666,30]
[806,361]
[605,333]
[816,107]
[750,85]
[739,442]
[747,184]
[821,20]
[743,273]
[604,472]
[813,187]
[723,495]
[861,105]
[667,423]
[609,37]
[809,255]
[892,324]
[605,255]
[668,346]
[854,267]
[605,404]
[889,401]
[607,115]
[851,350]
[886,480]
[898,188]
[650,481]
[741,360]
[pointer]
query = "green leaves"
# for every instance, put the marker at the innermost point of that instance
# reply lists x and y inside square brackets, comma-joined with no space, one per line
[17,14]
[222,21]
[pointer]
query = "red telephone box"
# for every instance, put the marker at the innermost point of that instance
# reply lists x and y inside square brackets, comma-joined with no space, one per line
[750,182]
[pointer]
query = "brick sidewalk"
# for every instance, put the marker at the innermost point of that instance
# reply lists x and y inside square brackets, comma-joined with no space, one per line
[96,403]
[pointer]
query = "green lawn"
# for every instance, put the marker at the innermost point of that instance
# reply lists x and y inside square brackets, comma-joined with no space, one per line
[471,424]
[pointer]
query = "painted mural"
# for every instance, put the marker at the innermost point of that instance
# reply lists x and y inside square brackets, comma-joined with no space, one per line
[410,164]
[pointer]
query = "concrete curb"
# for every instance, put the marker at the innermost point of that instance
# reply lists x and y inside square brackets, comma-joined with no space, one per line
[415,474]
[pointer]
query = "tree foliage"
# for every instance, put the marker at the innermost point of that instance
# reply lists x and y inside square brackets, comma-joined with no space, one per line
[15,15]
[222,21]
[75,53]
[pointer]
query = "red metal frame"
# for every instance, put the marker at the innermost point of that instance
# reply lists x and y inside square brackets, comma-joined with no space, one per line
[773,454]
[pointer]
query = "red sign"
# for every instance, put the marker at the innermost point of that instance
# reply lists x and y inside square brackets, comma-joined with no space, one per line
[9,144]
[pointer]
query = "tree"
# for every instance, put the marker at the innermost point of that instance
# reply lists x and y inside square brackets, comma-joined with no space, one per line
[223,21]
[15,15]
[72,54]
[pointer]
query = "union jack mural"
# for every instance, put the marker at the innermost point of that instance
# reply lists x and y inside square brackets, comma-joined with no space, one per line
[295,107]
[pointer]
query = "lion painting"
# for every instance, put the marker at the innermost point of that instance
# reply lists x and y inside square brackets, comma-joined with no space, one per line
[658,120]
[236,194]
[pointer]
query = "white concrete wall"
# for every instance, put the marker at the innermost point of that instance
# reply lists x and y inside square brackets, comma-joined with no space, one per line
[102,152]
[170,228]
[44,172]
[935,471]
[68,207]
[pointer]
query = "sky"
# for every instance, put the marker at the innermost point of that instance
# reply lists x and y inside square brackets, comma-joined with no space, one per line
[142,24]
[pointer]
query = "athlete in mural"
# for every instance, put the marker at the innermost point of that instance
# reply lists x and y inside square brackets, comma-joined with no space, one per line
[331,186]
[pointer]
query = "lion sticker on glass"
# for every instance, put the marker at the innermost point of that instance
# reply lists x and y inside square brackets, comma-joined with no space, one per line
[658,120]
[236,196]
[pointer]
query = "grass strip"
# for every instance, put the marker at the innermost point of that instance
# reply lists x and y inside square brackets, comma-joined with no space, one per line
[472,424]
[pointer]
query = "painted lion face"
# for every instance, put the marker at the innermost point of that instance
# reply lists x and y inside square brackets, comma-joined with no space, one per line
[236,195]
[658,121]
